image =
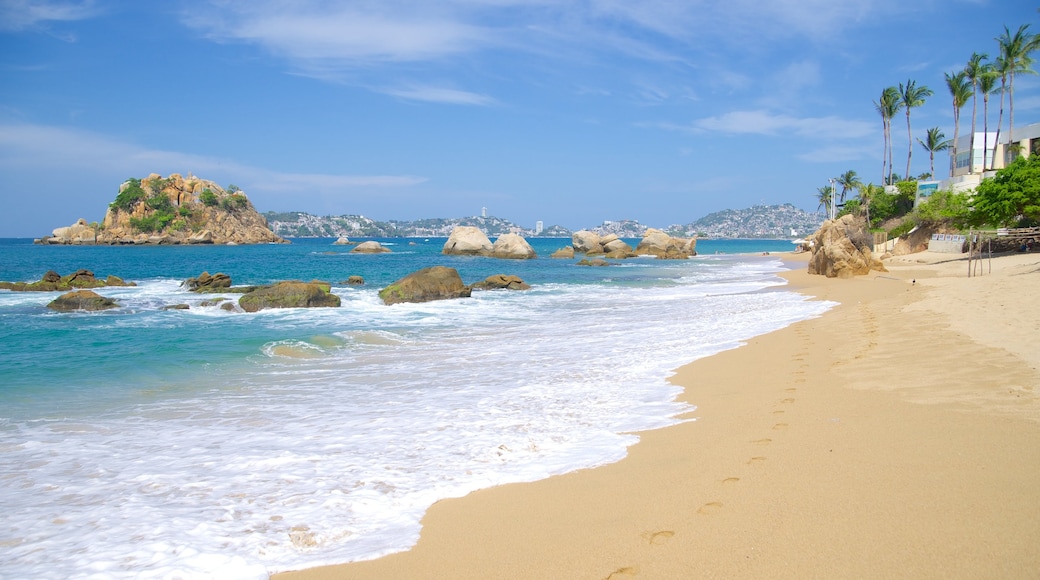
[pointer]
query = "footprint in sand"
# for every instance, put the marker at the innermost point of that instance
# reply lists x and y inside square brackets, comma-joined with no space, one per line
[778,412]
[791,389]
[710,507]
[658,538]
[787,401]
[762,441]
[623,573]
[755,460]
[731,480]
[779,426]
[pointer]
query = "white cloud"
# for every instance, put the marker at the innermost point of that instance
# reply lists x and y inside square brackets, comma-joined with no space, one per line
[26,14]
[27,146]
[440,95]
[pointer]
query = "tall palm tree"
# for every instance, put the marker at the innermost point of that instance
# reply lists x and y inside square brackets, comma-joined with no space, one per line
[987,86]
[934,142]
[848,180]
[1015,50]
[975,68]
[823,195]
[911,96]
[866,195]
[887,106]
[960,91]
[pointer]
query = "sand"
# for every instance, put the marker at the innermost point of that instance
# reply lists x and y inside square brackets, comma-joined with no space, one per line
[897,436]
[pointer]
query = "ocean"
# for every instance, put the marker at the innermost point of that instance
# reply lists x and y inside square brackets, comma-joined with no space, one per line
[149,443]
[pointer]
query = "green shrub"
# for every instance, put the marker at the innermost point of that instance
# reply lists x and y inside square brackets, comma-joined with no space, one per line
[944,207]
[184,211]
[159,202]
[129,196]
[208,198]
[1011,198]
[234,202]
[901,229]
[152,223]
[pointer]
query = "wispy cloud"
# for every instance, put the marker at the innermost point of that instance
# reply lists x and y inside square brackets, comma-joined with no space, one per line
[25,145]
[16,15]
[440,95]
[761,122]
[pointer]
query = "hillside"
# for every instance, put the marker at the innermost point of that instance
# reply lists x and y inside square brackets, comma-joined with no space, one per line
[760,221]
[775,221]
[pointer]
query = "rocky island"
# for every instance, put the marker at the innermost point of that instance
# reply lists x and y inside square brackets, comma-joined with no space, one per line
[172,210]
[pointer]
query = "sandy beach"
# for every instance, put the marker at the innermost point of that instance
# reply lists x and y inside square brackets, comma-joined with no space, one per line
[897,436]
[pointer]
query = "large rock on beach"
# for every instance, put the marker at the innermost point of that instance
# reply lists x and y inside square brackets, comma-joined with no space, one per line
[567,252]
[467,241]
[370,247]
[512,246]
[81,300]
[289,294]
[433,283]
[501,282]
[843,248]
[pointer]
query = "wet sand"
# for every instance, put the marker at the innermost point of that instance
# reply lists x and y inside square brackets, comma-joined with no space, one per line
[896,436]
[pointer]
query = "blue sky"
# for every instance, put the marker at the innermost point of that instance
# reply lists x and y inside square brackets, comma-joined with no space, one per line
[569,112]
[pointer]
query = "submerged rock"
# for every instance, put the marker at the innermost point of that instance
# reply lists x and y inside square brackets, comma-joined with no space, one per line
[52,281]
[370,247]
[501,282]
[290,294]
[434,283]
[206,283]
[81,300]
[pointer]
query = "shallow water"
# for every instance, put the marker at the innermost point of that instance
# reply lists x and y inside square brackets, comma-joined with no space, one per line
[151,443]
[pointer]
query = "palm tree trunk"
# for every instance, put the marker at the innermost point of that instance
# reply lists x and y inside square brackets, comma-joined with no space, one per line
[985,127]
[910,149]
[956,136]
[1011,111]
[1000,121]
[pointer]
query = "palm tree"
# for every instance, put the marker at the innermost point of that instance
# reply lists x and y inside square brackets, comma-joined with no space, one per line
[912,96]
[866,195]
[987,86]
[959,90]
[975,68]
[823,195]
[1015,50]
[934,142]
[848,180]
[887,106]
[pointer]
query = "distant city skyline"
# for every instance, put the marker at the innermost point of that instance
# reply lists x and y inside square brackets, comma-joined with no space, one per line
[567,113]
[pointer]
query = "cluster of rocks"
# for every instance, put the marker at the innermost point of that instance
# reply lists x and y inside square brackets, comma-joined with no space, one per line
[654,243]
[52,282]
[471,241]
[221,218]
[442,283]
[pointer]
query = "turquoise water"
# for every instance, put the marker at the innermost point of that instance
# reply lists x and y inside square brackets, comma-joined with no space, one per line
[142,442]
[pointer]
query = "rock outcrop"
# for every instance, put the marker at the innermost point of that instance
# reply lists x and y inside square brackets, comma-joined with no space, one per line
[79,233]
[586,242]
[52,281]
[370,247]
[513,247]
[567,252]
[81,300]
[467,241]
[843,248]
[289,294]
[172,210]
[659,244]
[433,283]
[354,281]
[206,283]
[501,282]
[593,262]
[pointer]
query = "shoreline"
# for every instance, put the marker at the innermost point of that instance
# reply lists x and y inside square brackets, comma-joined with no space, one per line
[896,435]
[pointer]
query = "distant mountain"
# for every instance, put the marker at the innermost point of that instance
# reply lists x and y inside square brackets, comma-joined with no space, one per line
[760,221]
[775,221]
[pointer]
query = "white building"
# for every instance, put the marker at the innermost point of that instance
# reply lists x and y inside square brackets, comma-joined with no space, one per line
[974,163]
[538,227]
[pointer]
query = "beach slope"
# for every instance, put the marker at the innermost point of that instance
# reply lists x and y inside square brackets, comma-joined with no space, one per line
[896,436]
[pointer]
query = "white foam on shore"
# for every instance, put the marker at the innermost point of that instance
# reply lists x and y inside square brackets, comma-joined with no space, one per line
[299,462]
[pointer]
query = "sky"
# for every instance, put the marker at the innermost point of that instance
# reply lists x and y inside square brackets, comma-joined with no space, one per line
[569,112]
